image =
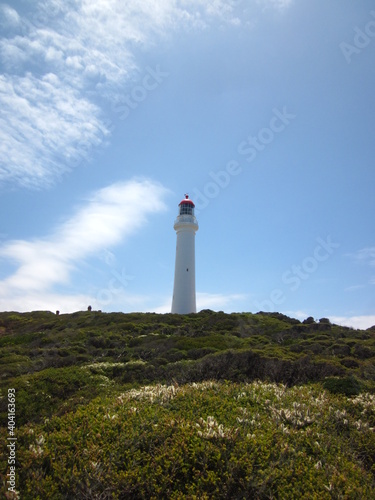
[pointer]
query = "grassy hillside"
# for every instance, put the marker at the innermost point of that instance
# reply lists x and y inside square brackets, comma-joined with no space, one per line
[210,404]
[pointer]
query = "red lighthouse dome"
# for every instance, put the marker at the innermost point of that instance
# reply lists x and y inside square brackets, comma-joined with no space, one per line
[186,206]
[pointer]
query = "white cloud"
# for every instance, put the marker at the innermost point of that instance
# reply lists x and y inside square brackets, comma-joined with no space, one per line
[278,4]
[48,126]
[121,300]
[359,322]
[353,288]
[301,315]
[45,128]
[365,255]
[9,17]
[163,308]
[214,301]
[218,301]
[110,215]
[62,57]
[46,302]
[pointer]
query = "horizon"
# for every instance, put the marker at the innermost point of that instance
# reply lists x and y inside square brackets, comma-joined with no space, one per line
[90,310]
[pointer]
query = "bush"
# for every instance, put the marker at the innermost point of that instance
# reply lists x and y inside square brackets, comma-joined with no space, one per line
[326,321]
[308,321]
[349,386]
[363,352]
[200,352]
[205,440]
[349,363]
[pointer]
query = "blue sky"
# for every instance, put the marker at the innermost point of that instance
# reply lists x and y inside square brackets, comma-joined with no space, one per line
[261,110]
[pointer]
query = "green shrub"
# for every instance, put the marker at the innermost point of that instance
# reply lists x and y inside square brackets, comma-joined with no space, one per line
[204,440]
[363,352]
[200,352]
[349,363]
[349,386]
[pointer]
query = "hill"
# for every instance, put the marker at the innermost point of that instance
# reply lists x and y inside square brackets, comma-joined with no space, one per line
[112,405]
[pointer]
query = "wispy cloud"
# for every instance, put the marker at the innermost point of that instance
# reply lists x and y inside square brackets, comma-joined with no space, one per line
[60,58]
[278,4]
[365,255]
[9,18]
[353,288]
[109,216]
[45,128]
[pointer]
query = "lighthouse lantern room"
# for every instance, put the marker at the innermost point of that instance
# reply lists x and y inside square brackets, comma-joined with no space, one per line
[186,225]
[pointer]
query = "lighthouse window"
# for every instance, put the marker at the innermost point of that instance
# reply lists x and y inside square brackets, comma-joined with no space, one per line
[186,209]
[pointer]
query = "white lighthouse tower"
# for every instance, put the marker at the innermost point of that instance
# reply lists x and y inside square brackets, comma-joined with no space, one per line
[185,225]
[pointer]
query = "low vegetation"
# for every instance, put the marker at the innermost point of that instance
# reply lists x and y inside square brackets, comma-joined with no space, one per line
[207,405]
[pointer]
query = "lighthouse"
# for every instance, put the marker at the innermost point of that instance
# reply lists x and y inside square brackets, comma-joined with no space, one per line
[186,226]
